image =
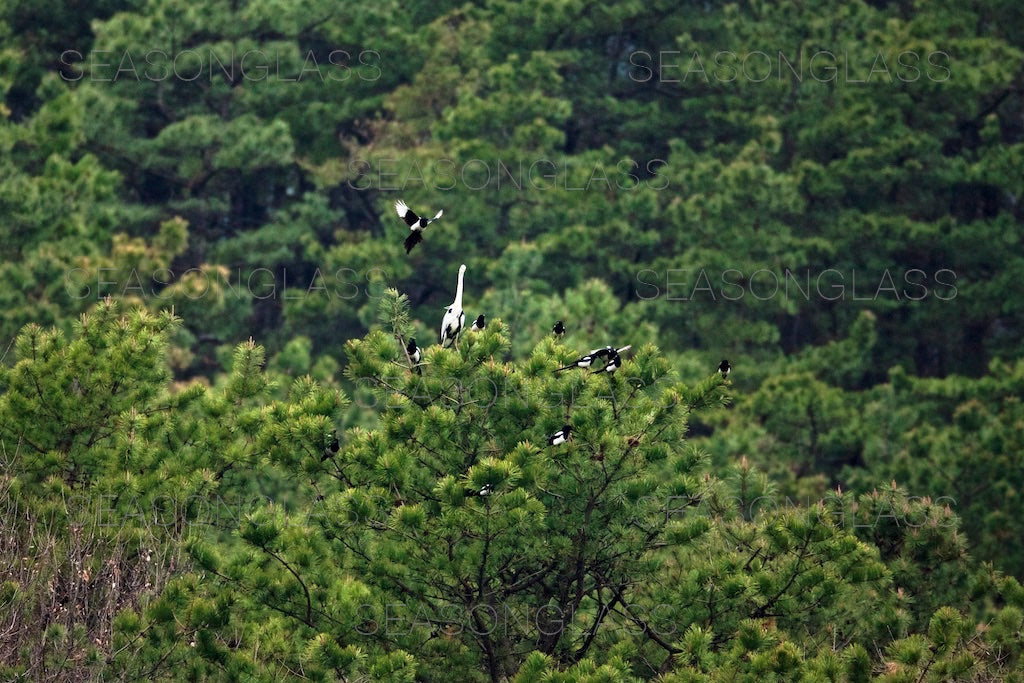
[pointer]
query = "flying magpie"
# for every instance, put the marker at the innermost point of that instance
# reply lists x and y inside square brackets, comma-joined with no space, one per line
[416,224]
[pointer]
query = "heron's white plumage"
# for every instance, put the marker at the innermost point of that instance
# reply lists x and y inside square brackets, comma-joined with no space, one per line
[454,317]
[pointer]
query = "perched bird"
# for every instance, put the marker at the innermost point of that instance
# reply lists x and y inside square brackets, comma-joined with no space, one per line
[454,317]
[415,223]
[561,436]
[609,351]
[331,447]
[583,362]
[485,490]
[724,369]
[614,363]
[478,324]
[414,353]
[558,329]
[413,350]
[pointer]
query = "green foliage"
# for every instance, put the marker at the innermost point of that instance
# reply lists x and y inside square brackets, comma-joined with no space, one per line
[217,461]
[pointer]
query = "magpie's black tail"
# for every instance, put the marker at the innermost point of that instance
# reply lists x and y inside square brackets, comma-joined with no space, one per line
[414,238]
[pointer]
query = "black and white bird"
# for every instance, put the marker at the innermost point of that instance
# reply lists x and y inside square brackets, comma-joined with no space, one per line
[478,324]
[416,224]
[413,350]
[414,353]
[609,351]
[485,490]
[561,436]
[454,317]
[614,363]
[331,447]
[583,362]
[724,369]
[558,329]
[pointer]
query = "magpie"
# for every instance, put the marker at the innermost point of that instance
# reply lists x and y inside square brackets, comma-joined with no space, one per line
[478,324]
[414,354]
[415,223]
[454,317]
[561,436]
[558,329]
[609,351]
[724,369]
[582,362]
[614,363]
[331,447]
[485,490]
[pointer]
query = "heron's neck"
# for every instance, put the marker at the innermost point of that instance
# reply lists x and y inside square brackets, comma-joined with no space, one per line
[458,290]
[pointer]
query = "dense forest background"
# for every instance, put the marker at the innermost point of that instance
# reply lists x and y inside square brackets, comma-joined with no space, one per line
[216,463]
